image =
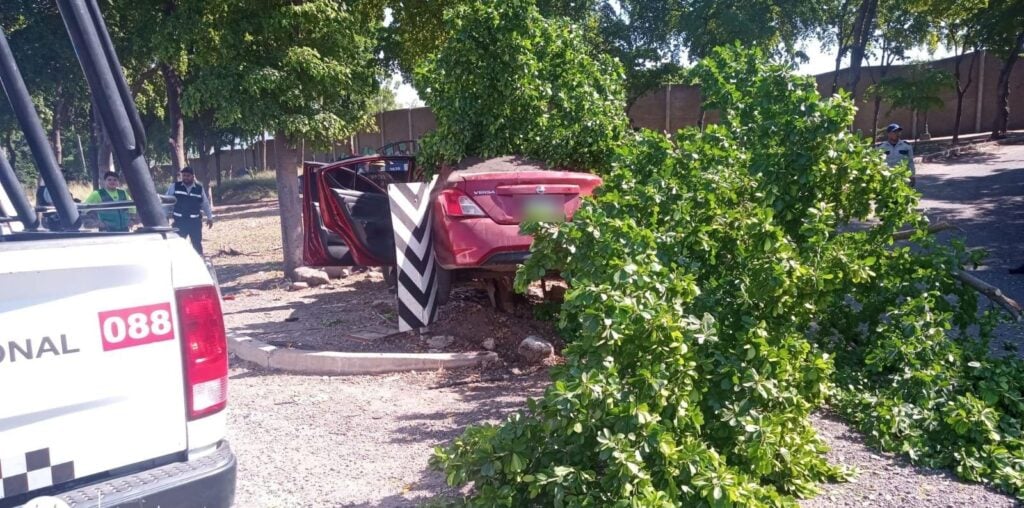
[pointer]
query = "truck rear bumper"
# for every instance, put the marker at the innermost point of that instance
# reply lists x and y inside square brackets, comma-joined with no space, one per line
[207,482]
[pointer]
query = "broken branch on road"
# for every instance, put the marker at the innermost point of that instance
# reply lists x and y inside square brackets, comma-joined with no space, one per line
[993,293]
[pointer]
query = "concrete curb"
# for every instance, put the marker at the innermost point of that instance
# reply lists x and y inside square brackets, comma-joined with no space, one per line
[965,148]
[349,364]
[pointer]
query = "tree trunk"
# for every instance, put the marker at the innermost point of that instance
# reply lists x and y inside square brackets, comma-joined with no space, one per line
[874,117]
[94,149]
[288,198]
[174,87]
[835,73]
[216,161]
[12,154]
[841,44]
[863,28]
[959,114]
[263,154]
[961,91]
[102,159]
[999,124]
[55,140]
[59,112]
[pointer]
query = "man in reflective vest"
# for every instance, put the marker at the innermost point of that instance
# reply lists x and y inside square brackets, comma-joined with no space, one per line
[115,220]
[191,199]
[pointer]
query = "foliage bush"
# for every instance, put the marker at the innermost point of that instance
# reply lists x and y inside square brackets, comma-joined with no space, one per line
[245,190]
[508,81]
[720,281]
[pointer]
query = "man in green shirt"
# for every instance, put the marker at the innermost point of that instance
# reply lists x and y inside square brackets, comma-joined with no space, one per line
[118,220]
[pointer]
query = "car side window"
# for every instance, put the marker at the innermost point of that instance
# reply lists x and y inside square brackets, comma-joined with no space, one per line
[347,178]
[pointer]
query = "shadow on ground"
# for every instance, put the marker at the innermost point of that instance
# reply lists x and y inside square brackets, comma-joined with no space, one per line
[484,403]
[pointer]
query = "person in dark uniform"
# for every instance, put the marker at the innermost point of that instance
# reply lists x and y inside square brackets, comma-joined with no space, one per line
[191,200]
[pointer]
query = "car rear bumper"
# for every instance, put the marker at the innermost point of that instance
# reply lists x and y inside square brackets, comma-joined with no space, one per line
[478,243]
[207,482]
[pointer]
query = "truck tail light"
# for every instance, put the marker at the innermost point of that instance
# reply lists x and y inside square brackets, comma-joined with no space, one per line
[457,204]
[206,350]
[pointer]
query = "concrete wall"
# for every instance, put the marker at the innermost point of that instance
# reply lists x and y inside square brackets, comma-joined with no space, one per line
[984,81]
[683,109]
[676,106]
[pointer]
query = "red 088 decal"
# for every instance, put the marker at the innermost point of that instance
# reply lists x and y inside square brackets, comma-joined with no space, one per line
[136,326]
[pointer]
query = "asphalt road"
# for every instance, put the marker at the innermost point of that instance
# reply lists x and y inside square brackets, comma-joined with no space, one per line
[983,194]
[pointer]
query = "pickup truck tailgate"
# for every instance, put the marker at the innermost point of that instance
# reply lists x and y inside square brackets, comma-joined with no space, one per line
[91,376]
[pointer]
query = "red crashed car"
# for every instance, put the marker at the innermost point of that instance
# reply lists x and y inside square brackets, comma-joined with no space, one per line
[477,210]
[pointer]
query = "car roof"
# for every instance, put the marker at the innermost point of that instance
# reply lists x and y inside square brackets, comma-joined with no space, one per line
[505,164]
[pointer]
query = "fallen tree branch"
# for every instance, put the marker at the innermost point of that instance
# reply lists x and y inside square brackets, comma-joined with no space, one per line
[993,293]
[934,228]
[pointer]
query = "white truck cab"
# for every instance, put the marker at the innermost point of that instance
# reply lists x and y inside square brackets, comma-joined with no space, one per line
[113,356]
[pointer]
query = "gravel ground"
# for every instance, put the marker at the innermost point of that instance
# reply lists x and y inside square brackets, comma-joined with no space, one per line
[366,441]
[884,480]
[355,441]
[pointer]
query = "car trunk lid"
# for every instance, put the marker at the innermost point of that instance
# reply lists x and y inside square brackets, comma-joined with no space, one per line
[508,197]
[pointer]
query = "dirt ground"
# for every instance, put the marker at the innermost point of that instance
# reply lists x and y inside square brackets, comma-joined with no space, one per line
[365,441]
[354,313]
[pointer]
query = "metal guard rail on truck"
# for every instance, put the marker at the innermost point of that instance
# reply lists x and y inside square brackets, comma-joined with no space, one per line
[116,111]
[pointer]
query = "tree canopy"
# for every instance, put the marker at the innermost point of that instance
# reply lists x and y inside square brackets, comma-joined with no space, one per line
[510,82]
[304,69]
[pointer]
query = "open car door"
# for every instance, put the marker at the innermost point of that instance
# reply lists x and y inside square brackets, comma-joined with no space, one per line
[346,215]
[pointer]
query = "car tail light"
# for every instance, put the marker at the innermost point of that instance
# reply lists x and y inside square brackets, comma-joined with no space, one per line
[457,204]
[206,350]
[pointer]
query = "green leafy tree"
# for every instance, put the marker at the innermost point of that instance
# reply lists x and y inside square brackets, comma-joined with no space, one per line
[958,34]
[861,35]
[716,290]
[775,26]
[694,275]
[920,91]
[642,37]
[157,40]
[899,31]
[653,39]
[45,58]
[510,82]
[303,70]
[953,24]
[837,30]
[1001,32]
[417,31]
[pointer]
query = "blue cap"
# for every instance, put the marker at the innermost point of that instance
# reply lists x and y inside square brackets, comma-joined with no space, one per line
[893,127]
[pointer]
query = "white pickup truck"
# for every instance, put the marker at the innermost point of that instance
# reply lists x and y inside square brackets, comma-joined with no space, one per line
[113,359]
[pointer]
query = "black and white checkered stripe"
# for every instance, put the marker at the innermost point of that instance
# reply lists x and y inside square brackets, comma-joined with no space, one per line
[30,471]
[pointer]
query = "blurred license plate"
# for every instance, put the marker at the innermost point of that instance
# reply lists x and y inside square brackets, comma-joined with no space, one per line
[544,209]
